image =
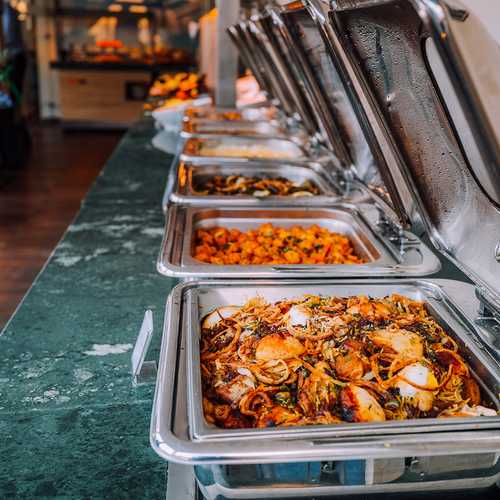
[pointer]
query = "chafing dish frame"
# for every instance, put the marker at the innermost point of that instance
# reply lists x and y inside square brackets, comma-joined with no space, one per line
[306,155]
[386,259]
[330,188]
[169,427]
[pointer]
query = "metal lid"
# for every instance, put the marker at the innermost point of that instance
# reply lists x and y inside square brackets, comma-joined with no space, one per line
[238,37]
[305,28]
[428,76]
[269,72]
[291,93]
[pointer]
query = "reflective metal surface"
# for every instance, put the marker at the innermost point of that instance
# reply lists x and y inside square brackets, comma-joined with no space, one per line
[260,27]
[275,81]
[407,258]
[341,479]
[220,148]
[238,37]
[189,175]
[248,113]
[169,427]
[251,128]
[303,33]
[386,43]
[201,301]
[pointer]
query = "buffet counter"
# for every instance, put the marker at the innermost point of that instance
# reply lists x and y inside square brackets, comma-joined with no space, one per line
[72,424]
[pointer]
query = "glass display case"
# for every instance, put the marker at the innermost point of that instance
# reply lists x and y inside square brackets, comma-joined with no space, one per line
[123,33]
[105,54]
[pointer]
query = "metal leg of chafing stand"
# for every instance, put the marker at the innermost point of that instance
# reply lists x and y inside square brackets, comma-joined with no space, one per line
[181,484]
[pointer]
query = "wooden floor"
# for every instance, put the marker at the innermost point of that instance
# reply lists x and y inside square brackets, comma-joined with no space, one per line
[38,202]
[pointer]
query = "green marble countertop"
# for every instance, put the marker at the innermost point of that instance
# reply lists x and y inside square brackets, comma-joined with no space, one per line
[71,424]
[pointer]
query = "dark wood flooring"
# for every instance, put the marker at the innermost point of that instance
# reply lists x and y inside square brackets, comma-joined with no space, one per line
[38,202]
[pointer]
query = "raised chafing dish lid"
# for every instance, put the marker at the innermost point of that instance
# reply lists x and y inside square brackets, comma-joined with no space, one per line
[271,24]
[237,36]
[428,75]
[294,91]
[260,47]
[303,28]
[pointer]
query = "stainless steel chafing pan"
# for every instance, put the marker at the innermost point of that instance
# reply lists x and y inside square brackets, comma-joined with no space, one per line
[189,175]
[222,148]
[170,432]
[258,113]
[200,302]
[244,128]
[231,127]
[383,259]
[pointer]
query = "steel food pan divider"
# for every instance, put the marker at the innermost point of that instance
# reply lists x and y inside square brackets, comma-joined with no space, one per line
[169,427]
[385,257]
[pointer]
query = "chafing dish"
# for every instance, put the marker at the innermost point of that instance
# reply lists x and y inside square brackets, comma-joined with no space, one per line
[170,431]
[245,128]
[257,113]
[410,257]
[188,176]
[220,149]
[203,299]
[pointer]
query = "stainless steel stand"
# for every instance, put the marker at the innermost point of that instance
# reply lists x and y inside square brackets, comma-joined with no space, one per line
[181,484]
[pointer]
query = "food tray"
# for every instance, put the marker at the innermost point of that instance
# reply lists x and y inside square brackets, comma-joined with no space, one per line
[170,432]
[258,113]
[384,259]
[242,149]
[200,302]
[243,128]
[187,175]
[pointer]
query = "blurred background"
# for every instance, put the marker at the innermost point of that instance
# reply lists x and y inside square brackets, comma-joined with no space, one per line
[74,75]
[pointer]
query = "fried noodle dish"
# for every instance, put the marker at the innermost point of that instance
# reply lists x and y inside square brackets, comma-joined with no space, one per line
[331,360]
[274,245]
[260,187]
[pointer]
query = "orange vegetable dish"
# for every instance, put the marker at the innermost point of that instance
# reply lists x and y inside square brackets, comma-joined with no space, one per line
[274,245]
[330,360]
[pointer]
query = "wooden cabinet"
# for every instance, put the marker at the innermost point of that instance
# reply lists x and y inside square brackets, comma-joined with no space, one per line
[101,97]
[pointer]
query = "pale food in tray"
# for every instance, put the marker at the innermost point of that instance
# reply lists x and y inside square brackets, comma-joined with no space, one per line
[268,149]
[331,360]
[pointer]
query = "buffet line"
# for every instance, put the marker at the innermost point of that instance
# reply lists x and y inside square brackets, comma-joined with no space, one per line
[307,352]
